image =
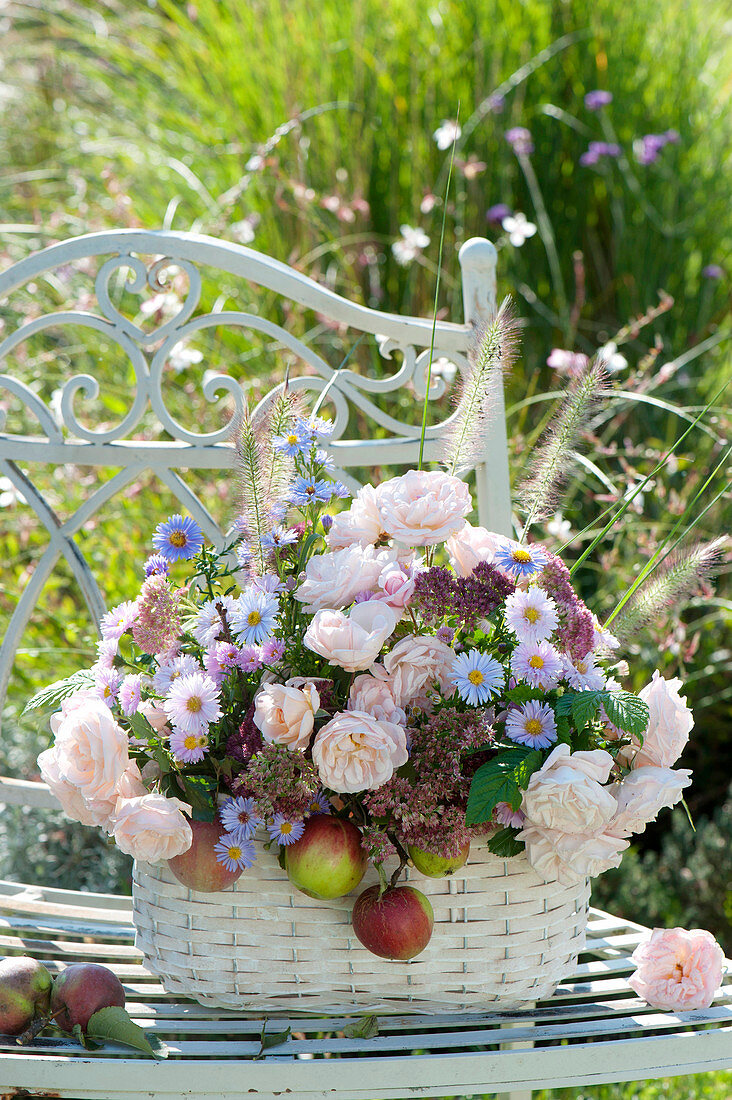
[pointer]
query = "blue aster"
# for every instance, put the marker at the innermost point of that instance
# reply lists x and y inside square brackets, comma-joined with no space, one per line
[236,853]
[279,536]
[520,560]
[477,676]
[156,564]
[292,443]
[179,538]
[306,490]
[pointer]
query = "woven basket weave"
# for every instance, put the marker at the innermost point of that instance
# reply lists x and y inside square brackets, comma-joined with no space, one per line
[503,937]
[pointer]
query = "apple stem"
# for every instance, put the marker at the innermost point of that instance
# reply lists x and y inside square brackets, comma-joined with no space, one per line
[36,1026]
[403,859]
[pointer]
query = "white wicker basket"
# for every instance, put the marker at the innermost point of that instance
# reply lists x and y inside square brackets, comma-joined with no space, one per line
[503,937]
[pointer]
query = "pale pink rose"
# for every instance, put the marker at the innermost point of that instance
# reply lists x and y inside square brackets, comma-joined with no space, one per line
[360,524]
[373,695]
[152,828]
[69,796]
[418,661]
[332,580]
[642,794]
[566,794]
[396,585]
[130,782]
[471,545]
[423,507]
[679,969]
[286,715]
[156,716]
[357,752]
[570,857]
[352,641]
[91,750]
[670,724]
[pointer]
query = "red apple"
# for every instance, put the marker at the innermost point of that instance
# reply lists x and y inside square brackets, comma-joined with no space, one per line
[198,868]
[434,866]
[25,988]
[397,925]
[328,860]
[81,990]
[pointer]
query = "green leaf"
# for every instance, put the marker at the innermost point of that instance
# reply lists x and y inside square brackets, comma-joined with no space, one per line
[504,843]
[52,695]
[527,767]
[140,726]
[496,781]
[626,711]
[522,693]
[199,795]
[563,734]
[585,705]
[271,1039]
[115,1024]
[365,1028]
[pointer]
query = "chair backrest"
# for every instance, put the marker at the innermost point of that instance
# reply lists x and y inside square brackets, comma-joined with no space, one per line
[189,281]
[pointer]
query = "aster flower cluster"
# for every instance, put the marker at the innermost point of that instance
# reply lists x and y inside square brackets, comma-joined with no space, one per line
[387,663]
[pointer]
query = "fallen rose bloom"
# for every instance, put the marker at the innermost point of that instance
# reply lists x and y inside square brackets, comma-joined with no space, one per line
[679,969]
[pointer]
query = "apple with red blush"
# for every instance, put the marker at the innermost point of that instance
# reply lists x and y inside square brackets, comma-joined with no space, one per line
[395,923]
[81,990]
[198,868]
[328,860]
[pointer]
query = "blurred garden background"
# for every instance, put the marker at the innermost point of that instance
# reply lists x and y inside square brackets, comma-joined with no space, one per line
[594,148]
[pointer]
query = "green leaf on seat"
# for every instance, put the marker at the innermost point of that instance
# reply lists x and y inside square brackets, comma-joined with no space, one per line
[115,1024]
[365,1028]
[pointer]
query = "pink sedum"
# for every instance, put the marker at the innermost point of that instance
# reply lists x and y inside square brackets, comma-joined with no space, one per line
[678,969]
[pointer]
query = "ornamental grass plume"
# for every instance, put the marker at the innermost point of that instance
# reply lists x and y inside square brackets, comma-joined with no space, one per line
[538,493]
[264,470]
[463,442]
[678,577]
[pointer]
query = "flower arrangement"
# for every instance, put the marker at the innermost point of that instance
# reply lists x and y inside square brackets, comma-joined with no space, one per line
[386,684]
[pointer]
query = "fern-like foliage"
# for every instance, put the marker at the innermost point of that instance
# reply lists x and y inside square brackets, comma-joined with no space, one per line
[493,355]
[537,494]
[678,577]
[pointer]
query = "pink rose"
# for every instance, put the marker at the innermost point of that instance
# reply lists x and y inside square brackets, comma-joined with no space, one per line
[471,545]
[361,524]
[397,586]
[417,661]
[156,716]
[333,580]
[567,795]
[357,752]
[570,857]
[352,641]
[286,715]
[68,795]
[670,723]
[678,969]
[91,751]
[642,794]
[151,827]
[423,507]
[374,695]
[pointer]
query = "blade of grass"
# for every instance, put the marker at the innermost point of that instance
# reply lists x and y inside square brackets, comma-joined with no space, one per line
[437,291]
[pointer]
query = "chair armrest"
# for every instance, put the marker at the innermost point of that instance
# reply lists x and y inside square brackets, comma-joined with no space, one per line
[21,792]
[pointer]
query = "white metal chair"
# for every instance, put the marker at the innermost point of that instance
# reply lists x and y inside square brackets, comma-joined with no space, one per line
[593,1029]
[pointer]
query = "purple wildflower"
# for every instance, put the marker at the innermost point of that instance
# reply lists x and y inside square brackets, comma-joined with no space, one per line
[520,140]
[712,271]
[597,99]
[495,214]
